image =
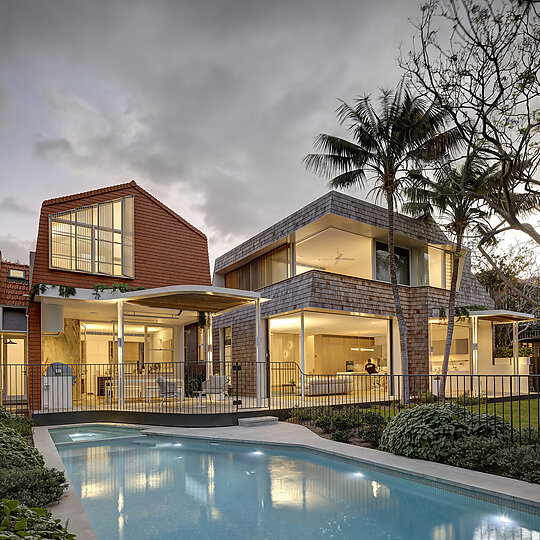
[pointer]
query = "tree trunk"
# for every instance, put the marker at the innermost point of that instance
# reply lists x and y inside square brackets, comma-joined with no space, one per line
[451,316]
[399,310]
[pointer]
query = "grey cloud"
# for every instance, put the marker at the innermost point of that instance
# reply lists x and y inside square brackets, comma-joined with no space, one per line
[216,100]
[15,249]
[8,203]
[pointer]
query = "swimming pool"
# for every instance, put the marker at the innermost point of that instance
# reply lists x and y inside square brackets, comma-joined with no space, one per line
[153,487]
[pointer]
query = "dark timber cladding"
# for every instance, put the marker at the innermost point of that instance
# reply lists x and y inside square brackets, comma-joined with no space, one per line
[193,302]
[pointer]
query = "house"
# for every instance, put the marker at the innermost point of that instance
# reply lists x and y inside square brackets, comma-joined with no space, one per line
[325,272]
[13,301]
[117,283]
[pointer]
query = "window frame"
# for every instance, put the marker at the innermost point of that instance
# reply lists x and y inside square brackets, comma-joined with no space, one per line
[95,238]
[24,277]
[376,278]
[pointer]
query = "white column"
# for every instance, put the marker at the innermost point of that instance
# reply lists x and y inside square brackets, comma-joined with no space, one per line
[515,355]
[302,356]
[259,366]
[209,352]
[474,322]
[120,343]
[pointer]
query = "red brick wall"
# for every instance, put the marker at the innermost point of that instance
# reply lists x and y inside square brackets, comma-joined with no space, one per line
[167,251]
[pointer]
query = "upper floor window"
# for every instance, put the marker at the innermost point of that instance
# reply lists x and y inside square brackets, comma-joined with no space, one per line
[97,239]
[261,271]
[382,266]
[336,251]
[15,273]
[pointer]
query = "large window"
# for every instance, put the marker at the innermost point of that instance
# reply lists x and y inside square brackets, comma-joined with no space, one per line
[96,239]
[260,272]
[460,351]
[336,251]
[383,267]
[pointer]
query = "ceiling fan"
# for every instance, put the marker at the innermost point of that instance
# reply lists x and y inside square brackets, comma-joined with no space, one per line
[339,257]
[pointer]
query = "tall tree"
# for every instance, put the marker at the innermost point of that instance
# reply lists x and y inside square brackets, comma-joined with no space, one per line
[480,60]
[446,196]
[398,134]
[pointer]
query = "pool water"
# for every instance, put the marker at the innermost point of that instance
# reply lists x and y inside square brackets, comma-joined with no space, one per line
[90,433]
[167,488]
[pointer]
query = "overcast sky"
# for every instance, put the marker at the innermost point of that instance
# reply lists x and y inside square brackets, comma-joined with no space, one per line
[209,105]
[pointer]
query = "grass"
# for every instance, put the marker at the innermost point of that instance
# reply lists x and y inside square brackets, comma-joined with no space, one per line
[524,413]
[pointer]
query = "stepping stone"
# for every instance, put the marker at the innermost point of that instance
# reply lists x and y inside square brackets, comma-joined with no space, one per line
[256,421]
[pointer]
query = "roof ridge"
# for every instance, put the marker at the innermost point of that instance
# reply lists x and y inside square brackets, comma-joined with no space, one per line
[88,193]
[5,261]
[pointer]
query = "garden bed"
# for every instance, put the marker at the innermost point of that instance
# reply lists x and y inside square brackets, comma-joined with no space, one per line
[27,487]
[434,432]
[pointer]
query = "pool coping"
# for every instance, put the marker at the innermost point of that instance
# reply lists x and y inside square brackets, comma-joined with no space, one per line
[516,493]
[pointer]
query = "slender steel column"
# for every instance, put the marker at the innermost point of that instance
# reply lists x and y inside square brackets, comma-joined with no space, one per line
[120,343]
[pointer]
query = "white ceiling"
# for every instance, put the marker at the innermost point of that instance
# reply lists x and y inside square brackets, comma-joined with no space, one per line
[329,323]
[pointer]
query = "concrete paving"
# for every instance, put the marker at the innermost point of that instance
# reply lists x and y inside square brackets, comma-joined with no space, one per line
[514,493]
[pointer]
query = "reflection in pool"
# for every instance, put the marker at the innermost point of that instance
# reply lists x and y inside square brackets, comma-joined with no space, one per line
[165,488]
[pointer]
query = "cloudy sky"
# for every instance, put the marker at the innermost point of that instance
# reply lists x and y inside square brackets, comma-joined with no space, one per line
[209,105]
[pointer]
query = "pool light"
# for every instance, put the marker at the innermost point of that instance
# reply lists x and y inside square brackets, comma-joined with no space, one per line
[257,453]
[359,474]
[504,519]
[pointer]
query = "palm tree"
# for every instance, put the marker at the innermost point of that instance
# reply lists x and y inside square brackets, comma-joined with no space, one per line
[448,195]
[402,131]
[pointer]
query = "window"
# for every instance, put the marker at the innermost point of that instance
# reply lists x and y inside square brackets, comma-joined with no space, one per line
[382,268]
[336,251]
[96,239]
[14,273]
[261,271]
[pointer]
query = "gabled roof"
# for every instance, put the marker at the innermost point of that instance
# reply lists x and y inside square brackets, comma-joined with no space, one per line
[119,187]
[12,292]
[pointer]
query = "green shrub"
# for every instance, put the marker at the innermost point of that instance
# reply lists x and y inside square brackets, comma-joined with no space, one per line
[21,424]
[529,436]
[325,420]
[520,462]
[32,486]
[17,521]
[303,414]
[16,452]
[478,453]
[489,425]
[343,419]
[372,426]
[341,436]
[426,397]
[466,399]
[424,432]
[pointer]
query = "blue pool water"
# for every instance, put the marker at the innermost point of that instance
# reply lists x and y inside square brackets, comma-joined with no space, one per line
[167,488]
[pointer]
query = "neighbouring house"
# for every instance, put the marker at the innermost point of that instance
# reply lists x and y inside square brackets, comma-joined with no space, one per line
[117,284]
[330,309]
[14,279]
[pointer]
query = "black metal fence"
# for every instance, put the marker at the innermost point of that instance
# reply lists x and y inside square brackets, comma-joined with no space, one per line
[221,387]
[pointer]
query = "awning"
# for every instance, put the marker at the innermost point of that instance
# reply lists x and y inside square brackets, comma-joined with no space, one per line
[501,315]
[190,298]
[179,297]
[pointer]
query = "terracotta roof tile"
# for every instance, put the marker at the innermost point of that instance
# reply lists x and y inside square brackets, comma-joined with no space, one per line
[12,293]
[119,187]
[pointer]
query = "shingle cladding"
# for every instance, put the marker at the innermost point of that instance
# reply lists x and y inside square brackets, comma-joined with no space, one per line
[322,290]
[338,204]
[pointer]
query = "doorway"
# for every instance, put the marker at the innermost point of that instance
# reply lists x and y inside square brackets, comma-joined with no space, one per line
[13,355]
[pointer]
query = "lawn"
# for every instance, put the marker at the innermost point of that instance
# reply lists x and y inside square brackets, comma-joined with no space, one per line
[522,413]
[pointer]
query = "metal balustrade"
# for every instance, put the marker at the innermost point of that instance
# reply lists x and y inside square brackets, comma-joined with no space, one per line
[228,387]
